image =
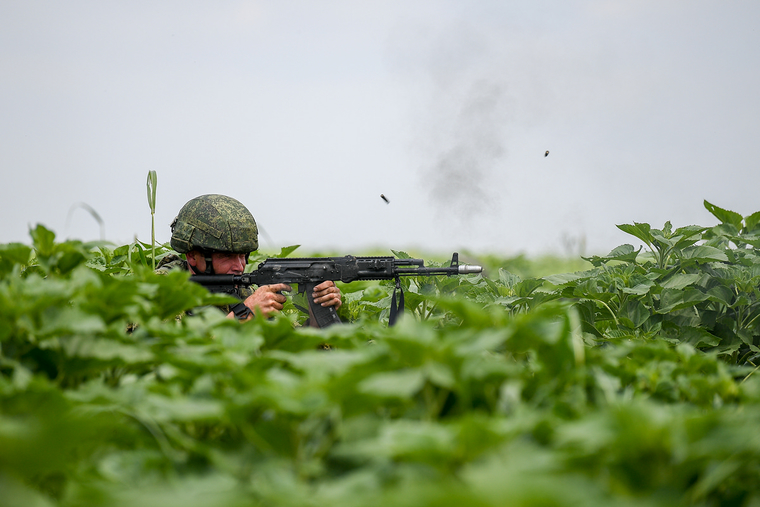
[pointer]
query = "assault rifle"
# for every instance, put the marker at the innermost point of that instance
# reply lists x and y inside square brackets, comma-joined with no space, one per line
[308,272]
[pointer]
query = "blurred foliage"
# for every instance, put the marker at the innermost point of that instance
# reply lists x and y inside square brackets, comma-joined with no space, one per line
[628,382]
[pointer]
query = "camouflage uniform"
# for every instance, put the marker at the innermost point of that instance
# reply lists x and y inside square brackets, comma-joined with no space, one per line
[173,262]
[170,263]
[212,223]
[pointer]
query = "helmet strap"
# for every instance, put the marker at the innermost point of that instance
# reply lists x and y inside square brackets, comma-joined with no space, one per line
[209,263]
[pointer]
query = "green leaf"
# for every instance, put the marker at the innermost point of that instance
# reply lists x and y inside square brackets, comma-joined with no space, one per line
[439,374]
[106,349]
[636,313]
[526,287]
[722,294]
[751,221]
[725,216]
[681,281]
[508,279]
[567,278]
[15,253]
[676,299]
[704,253]
[318,364]
[401,254]
[640,289]
[43,240]
[623,253]
[67,319]
[699,337]
[641,231]
[285,251]
[396,384]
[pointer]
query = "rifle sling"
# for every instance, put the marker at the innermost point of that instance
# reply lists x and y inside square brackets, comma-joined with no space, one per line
[396,311]
[240,310]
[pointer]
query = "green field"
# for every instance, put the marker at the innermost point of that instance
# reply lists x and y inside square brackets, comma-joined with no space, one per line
[626,379]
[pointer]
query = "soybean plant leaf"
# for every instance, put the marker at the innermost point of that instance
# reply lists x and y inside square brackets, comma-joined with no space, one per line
[401,254]
[567,278]
[670,299]
[174,294]
[405,440]
[506,301]
[639,289]
[680,281]
[623,253]
[724,215]
[317,364]
[753,240]
[418,440]
[508,279]
[285,251]
[662,238]
[43,240]
[689,231]
[687,235]
[635,312]
[182,409]
[412,300]
[70,320]
[440,374]
[395,384]
[751,221]
[14,493]
[526,287]
[722,294]
[704,253]
[698,337]
[694,296]
[93,348]
[641,231]
[493,286]
[538,298]
[474,314]
[13,254]
[69,260]
[16,253]
[722,231]
[674,299]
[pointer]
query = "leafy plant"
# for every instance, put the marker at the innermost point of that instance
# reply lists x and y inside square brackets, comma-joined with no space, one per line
[632,382]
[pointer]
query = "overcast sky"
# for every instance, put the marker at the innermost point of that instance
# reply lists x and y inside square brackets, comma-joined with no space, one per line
[307,111]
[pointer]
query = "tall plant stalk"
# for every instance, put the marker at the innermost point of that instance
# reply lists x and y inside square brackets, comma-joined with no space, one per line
[152,182]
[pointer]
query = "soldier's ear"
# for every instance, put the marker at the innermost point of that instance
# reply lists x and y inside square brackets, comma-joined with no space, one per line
[192,261]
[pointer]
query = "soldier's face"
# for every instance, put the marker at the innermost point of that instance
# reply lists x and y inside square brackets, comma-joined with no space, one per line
[224,263]
[228,263]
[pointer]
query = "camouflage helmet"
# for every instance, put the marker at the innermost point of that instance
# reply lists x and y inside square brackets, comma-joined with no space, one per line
[214,223]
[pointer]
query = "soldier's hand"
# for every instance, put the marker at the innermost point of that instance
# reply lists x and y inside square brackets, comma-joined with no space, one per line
[327,294]
[267,300]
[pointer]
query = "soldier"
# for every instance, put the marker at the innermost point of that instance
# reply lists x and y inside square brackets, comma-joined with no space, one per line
[217,233]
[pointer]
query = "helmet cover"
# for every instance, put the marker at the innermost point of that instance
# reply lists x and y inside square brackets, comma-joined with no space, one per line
[214,223]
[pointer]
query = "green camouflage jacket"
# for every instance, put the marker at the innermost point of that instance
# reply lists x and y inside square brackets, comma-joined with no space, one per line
[172,262]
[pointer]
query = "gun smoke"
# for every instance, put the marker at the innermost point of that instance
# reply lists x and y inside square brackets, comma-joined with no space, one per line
[462,172]
[463,126]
